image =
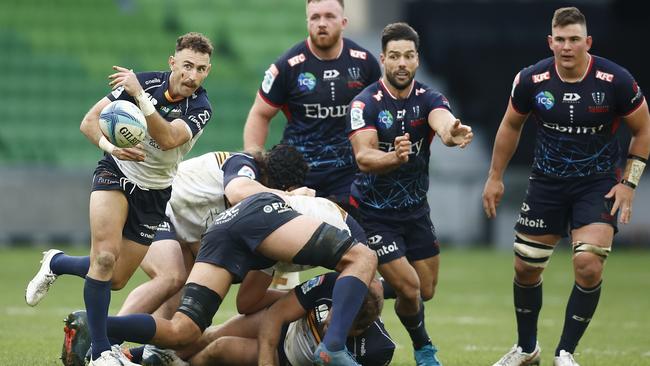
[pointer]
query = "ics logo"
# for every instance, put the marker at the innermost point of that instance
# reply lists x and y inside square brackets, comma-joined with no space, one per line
[385,118]
[545,99]
[306,81]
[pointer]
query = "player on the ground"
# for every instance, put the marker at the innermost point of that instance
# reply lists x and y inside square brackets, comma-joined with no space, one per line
[292,328]
[313,84]
[132,185]
[392,124]
[254,234]
[578,100]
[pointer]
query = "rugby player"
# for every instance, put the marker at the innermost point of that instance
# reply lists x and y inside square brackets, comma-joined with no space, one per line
[391,125]
[131,186]
[578,100]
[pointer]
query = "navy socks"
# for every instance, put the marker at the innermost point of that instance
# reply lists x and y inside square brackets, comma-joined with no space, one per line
[528,303]
[579,311]
[414,325]
[137,328]
[65,264]
[347,297]
[97,297]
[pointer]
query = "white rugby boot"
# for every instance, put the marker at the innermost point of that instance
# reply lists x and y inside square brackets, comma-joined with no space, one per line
[517,357]
[565,359]
[112,357]
[39,285]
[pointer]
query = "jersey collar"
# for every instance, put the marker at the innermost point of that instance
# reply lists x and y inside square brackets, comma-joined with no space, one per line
[321,59]
[589,66]
[381,82]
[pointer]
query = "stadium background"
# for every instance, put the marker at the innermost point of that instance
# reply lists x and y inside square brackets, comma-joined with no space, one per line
[54,59]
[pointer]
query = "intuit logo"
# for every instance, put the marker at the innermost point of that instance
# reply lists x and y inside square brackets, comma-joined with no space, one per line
[537,223]
[386,249]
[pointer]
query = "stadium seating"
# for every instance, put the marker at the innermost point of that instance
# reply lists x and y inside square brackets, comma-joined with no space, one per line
[56,56]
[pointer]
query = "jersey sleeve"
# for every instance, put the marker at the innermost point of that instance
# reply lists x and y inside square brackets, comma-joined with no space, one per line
[437,101]
[628,94]
[314,289]
[239,165]
[198,114]
[520,93]
[360,117]
[274,85]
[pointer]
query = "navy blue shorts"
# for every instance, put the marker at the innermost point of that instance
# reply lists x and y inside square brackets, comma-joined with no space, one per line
[232,239]
[146,206]
[165,231]
[555,206]
[330,183]
[414,239]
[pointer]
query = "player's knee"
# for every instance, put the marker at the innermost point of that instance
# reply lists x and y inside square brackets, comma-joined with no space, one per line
[409,290]
[185,333]
[104,261]
[531,256]
[428,290]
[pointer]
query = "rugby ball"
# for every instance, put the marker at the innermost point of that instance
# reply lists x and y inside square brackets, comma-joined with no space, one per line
[123,124]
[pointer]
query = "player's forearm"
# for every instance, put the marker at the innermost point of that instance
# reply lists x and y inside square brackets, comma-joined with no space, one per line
[255,133]
[163,132]
[268,339]
[90,128]
[505,145]
[377,162]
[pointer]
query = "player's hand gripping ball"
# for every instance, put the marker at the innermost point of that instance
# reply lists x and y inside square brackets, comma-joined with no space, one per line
[123,124]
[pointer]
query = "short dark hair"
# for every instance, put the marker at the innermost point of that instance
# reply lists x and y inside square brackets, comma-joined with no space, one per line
[194,41]
[369,311]
[315,1]
[567,16]
[283,167]
[399,32]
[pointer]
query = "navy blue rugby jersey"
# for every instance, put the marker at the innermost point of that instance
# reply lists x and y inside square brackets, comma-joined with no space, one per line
[239,165]
[373,347]
[576,122]
[314,95]
[195,110]
[405,188]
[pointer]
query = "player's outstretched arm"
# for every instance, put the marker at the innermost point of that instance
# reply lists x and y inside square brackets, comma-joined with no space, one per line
[505,145]
[257,124]
[452,132]
[90,128]
[623,192]
[283,311]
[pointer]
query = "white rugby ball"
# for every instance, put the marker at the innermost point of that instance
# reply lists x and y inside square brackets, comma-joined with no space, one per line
[123,123]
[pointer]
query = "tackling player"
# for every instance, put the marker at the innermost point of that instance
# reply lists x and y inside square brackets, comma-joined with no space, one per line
[578,100]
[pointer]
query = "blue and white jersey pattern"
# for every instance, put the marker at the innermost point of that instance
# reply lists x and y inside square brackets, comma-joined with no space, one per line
[314,95]
[576,122]
[405,188]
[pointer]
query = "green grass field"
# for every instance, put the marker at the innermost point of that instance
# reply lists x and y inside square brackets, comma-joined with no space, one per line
[470,319]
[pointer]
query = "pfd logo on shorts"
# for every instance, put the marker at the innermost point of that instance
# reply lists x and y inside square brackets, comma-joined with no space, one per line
[279,207]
